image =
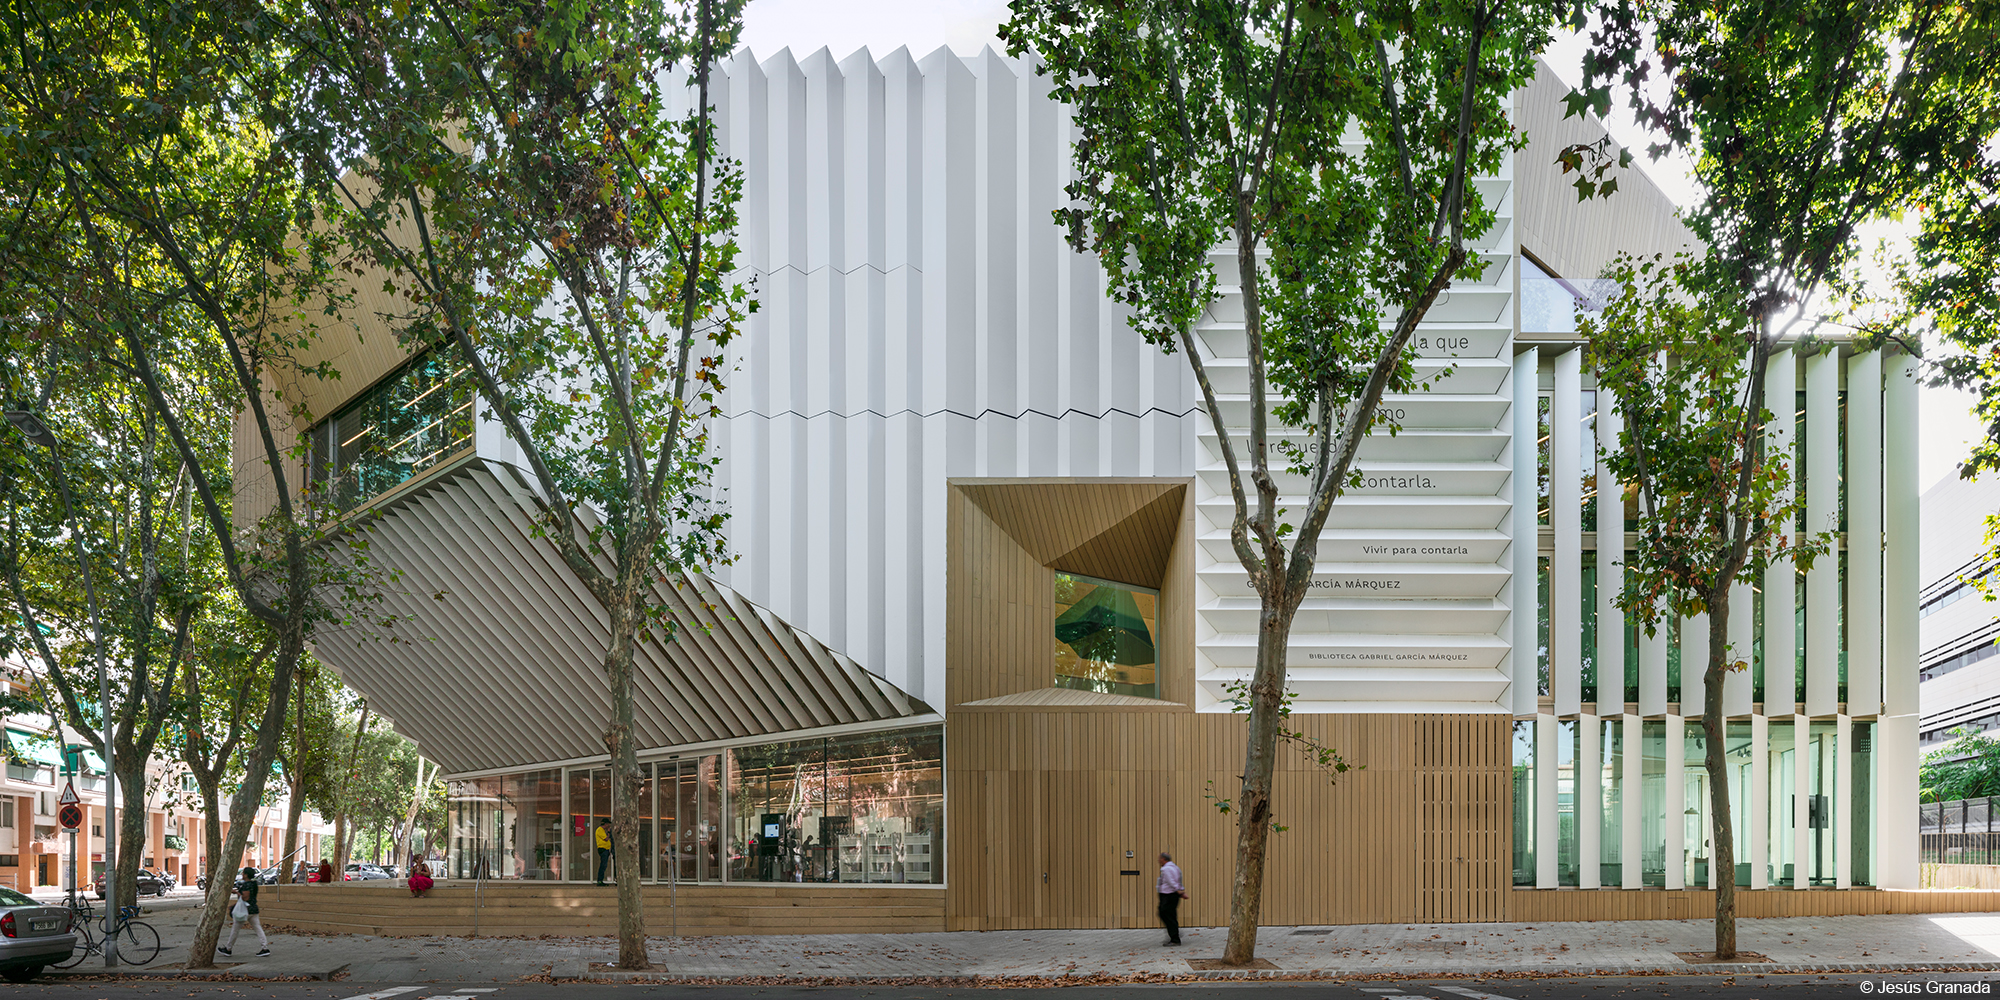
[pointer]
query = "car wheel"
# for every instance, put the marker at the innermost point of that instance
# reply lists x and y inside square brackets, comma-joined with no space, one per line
[20,973]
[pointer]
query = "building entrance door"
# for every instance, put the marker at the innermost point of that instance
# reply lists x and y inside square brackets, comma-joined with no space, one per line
[589,808]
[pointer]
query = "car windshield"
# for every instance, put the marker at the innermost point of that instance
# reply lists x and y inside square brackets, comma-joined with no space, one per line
[9,897]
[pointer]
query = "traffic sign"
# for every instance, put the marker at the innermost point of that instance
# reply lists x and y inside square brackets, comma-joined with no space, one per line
[71,816]
[68,796]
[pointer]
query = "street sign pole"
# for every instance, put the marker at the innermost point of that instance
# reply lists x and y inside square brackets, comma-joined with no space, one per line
[69,812]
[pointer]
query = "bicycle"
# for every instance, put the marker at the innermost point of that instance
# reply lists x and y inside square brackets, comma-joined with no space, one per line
[138,942]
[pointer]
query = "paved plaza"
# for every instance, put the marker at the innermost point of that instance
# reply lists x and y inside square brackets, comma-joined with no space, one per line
[1969,940]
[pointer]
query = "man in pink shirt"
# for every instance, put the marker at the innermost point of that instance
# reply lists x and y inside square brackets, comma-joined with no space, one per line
[1171,894]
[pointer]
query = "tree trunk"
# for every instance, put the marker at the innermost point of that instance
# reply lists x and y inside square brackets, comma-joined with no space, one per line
[219,878]
[343,828]
[1714,724]
[626,784]
[1253,813]
[131,825]
[294,807]
[407,839]
[243,806]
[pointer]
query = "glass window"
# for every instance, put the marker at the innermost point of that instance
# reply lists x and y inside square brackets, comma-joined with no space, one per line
[1587,441]
[1673,627]
[1611,785]
[1569,742]
[1542,625]
[691,819]
[1104,636]
[777,802]
[1822,763]
[1543,402]
[1524,802]
[411,421]
[1631,638]
[1697,826]
[1653,803]
[1588,648]
[1740,750]
[1862,760]
[867,808]
[506,827]
[1757,638]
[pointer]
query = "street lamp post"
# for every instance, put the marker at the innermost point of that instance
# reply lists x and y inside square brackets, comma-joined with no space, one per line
[38,434]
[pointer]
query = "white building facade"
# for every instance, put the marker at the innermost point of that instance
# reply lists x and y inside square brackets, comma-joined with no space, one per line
[926,337]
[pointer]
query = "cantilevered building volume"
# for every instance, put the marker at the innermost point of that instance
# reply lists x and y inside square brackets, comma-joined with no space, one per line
[968,670]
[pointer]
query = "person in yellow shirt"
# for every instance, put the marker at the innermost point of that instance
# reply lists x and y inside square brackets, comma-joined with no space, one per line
[603,848]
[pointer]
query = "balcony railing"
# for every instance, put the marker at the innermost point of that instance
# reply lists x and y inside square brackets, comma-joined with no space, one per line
[40,774]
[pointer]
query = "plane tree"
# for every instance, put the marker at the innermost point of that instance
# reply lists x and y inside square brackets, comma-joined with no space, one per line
[142,136]
[540,184]
[1805,123]
[1331,150]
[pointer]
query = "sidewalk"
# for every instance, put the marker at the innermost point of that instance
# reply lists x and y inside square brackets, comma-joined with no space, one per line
[1793,944]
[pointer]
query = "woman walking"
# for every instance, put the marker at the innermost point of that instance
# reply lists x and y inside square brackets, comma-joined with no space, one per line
[244,911]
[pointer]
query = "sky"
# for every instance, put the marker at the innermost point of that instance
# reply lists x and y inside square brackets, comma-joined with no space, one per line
[805,26]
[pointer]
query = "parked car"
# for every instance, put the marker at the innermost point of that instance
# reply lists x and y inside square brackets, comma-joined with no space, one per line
[363,872]
[32,936]
[150,884]
[163,875]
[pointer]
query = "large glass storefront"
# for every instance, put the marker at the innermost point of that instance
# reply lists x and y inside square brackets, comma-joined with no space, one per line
[1803,766]
[855,808]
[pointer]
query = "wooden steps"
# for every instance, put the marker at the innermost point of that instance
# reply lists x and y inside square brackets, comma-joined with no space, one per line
[534,909]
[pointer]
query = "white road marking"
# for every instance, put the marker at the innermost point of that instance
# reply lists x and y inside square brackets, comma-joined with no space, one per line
[1473,994]
[384,994]
[477,989]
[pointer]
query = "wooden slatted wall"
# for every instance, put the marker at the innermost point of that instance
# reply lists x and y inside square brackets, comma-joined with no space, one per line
[1463,817]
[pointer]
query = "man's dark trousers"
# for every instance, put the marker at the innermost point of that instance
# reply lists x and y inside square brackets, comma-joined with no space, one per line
[603,862]
[1170,914]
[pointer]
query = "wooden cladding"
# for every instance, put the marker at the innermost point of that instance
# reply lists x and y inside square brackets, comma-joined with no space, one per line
[1046,803]
[533,909]
[1463,799]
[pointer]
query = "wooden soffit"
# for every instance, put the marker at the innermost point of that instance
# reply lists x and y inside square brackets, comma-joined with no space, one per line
[1118,531]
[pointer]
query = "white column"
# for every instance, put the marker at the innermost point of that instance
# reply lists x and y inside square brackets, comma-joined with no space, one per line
[1634,873]
[1781,580]
[1653,669]
[1676,802]
[1801,801]
[1736,688]
[1547,839]
[1822,513]
[1694,664]
[1864,533]
[1760,794]
[1566,517]
[1843,801]
[1589,801]
[1610,565]
[1895,856]
[1527,535]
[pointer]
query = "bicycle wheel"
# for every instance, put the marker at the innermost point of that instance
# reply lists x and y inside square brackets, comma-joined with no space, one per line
[86,945]
[138,943]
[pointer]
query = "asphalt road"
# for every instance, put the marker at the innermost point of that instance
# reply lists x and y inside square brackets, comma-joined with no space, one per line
[1783,987]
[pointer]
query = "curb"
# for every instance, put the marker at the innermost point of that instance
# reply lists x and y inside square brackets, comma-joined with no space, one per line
[576,971]
[80,974]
